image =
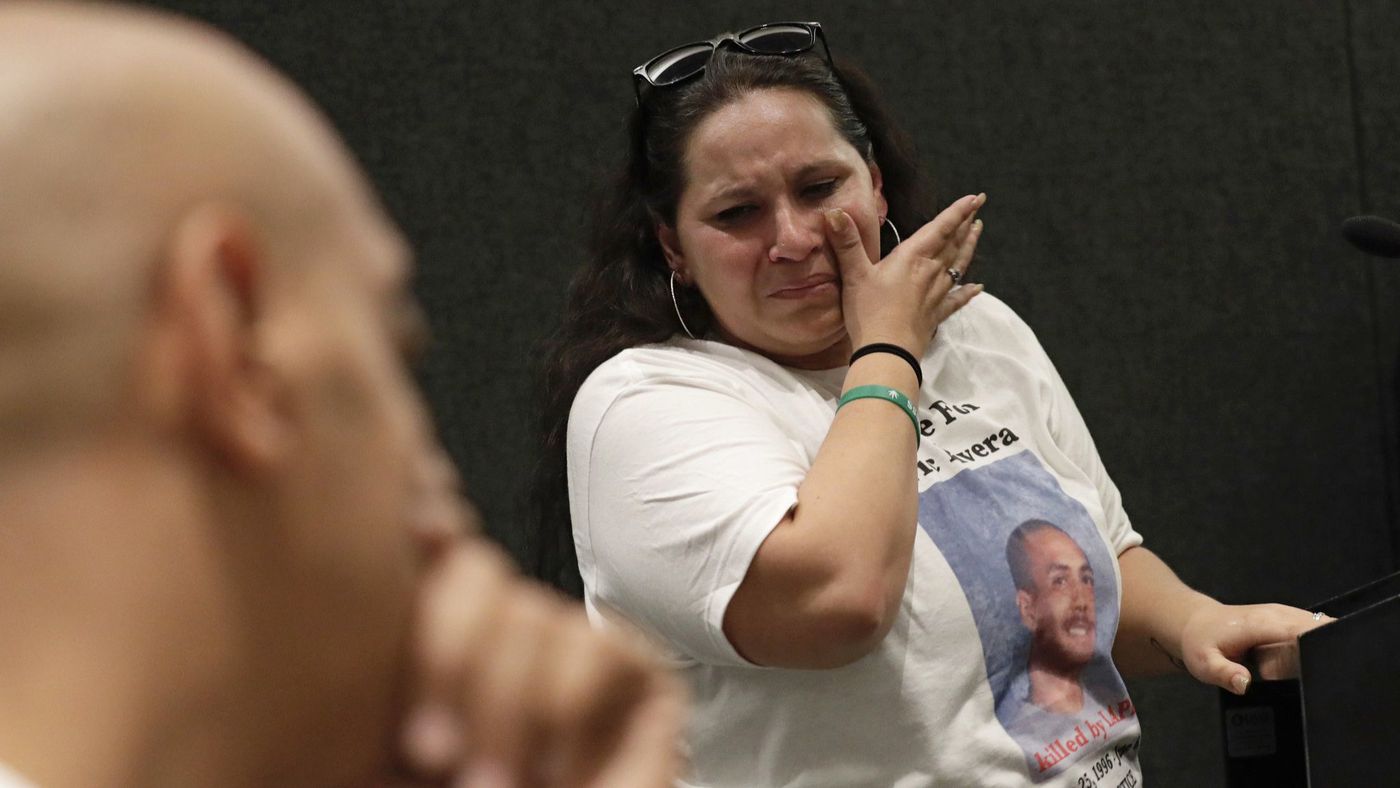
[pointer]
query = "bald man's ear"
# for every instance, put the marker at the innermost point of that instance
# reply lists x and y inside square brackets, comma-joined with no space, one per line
[210,294]
[1025,607]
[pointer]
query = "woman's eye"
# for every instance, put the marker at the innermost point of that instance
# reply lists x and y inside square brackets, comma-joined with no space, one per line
[735,213]
[821,189]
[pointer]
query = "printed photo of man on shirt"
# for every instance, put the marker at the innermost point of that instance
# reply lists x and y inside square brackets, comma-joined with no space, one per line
[1055,597]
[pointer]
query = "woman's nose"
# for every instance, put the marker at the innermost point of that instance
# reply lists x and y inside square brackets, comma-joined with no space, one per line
[797,233]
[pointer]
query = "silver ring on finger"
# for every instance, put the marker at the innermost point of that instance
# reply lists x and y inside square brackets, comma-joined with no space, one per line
[955,275]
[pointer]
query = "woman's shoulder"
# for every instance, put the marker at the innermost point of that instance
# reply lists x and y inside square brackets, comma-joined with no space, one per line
[990,320]
[673,359]
[677,363]
[988,308]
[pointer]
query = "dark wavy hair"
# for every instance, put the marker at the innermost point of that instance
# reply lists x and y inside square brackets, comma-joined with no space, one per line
[621,298]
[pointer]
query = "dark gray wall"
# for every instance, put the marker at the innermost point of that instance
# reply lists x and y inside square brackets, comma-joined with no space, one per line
[1165,184]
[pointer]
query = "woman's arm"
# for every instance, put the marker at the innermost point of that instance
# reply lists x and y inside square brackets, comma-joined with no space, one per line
[1166,624]
[825,586]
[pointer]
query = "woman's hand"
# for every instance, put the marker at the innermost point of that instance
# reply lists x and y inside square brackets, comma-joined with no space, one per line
[904,298]
[1217,636]
[1164,623]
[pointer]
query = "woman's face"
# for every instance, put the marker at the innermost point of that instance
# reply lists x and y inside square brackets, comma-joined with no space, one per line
[750,231]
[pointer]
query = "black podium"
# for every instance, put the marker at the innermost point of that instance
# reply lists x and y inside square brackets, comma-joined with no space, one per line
[1338,722]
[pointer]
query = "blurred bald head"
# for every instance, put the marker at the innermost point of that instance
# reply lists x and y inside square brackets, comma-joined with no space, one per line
[115,125]
[213,461]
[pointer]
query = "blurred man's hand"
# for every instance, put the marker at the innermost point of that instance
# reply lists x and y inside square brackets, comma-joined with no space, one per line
[512,687]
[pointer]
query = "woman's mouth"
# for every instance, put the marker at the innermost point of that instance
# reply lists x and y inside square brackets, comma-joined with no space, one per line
[812,286]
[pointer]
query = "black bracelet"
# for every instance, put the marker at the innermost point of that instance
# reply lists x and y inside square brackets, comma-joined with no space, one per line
[885,347]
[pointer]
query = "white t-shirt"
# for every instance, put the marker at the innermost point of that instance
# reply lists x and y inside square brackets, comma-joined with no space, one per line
[683,456]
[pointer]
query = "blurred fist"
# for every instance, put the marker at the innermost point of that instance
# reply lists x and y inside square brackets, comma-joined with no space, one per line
[512,687]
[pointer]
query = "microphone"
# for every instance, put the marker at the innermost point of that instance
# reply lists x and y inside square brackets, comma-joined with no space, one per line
[1373,235]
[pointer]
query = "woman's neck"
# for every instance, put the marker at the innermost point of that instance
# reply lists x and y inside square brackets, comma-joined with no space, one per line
[837,354]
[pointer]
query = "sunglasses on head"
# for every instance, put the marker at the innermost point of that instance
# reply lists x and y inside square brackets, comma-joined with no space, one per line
[689,60]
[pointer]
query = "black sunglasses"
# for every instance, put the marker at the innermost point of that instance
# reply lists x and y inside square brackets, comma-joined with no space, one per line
[689,60]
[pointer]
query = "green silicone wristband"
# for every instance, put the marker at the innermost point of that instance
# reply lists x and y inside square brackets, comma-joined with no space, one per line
[885,393]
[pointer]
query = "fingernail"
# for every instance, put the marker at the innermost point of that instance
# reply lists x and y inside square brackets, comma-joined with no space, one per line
[486,774]
[1240,683]
[977,225]
[837,220]
[432,737]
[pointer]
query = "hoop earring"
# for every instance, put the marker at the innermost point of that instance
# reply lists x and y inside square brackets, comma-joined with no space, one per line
[893,229]
[677,305]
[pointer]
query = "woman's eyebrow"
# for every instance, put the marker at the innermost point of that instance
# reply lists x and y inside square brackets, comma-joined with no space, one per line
[819,166]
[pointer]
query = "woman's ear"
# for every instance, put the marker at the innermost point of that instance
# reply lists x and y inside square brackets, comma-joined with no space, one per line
[877,182]
[670,246]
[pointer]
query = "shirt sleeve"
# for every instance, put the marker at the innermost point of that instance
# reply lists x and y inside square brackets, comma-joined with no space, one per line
[1071,434]
[683,480]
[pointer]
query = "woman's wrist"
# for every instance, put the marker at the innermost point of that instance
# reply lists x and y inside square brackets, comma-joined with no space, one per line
[904,339]
[1158,611]
[892,349]
[883,369]
[1181,610]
